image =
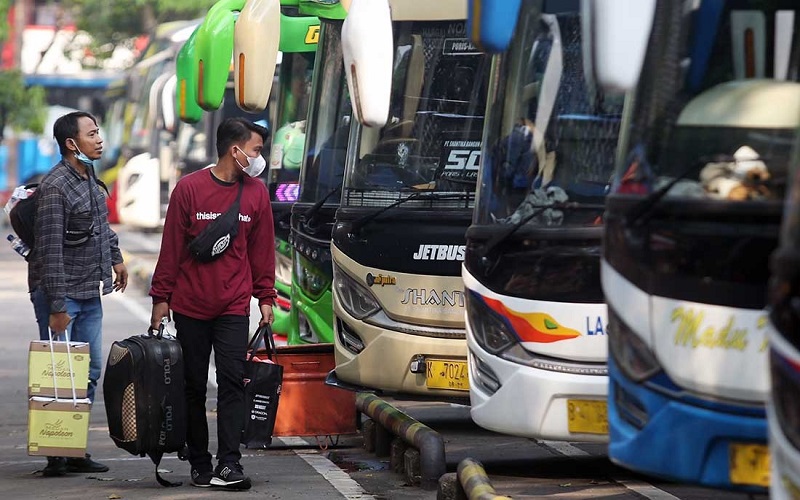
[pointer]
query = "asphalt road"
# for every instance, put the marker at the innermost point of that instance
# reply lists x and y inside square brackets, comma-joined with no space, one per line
[291,468]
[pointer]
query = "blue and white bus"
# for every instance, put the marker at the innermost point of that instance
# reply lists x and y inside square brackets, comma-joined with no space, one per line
[691,220]
[536,317]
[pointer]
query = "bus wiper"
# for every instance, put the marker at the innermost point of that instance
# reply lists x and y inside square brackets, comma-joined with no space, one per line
[492,243]
[311,212]
[359,223]
[642,211]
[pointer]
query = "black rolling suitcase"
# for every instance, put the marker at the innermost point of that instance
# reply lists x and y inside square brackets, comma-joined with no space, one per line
[144,395]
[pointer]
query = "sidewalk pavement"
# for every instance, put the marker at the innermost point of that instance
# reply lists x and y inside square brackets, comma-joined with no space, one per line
[279,472]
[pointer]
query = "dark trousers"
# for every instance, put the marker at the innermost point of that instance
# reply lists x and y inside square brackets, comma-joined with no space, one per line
[228,335]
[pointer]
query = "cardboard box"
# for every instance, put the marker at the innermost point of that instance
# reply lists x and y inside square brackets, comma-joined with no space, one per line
[58,427]
[40,369]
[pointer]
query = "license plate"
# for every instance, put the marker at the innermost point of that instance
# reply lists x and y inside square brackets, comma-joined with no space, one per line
[749,464]
[587,416]
[447,374]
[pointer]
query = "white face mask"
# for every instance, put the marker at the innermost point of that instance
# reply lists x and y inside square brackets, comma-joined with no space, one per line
[254,165]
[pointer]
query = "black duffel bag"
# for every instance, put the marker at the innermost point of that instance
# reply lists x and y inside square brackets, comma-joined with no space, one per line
[145,398]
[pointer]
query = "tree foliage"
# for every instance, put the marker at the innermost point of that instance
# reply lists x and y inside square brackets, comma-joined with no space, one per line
[113,21]
[21,108]
[5,5]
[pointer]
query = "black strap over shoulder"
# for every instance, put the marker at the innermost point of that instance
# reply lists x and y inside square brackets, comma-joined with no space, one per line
[218,235]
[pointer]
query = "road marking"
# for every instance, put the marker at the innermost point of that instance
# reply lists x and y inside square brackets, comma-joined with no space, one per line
[133,307]
[646,490]
[338,478]
[564,448]
[642,488]
[292,442]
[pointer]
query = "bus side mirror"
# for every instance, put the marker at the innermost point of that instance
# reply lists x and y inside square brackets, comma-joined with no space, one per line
[215,51]
[255,53]
[491,23]
[620,35]
[368,51]
[168,103]
[186,87]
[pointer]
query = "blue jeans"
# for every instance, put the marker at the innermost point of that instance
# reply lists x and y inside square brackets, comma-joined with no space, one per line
[86,326]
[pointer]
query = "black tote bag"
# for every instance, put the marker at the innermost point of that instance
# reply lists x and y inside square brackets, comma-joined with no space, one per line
[262,390]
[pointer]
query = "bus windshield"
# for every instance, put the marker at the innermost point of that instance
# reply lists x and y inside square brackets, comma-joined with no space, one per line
[432,140]
[288,139]
[551,134]
[328,121]
[714,115]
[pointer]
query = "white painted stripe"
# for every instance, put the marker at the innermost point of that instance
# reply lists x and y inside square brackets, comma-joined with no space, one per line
[291,442]
[565,448]
[647,490]
[133,307]
[338,478]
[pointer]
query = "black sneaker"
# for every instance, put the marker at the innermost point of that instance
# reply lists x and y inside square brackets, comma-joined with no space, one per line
[201,479]
[84,465]
[56,466]
[230,476]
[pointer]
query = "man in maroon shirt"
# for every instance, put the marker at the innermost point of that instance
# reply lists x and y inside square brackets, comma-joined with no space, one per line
[210,301]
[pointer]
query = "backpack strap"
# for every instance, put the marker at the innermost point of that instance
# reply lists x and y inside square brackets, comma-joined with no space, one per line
[156,458]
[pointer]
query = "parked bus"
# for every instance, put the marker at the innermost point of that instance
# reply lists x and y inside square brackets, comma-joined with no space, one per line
[136,175]
[408,196]
[536,317]
[783,413]
[299,35]
[691,220]
[125,97]
[312,215]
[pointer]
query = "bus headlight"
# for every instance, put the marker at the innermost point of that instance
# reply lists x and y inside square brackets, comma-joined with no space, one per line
[311,280]
[785,394]
[283,269]
[355,298]
[489,329]
[631,354]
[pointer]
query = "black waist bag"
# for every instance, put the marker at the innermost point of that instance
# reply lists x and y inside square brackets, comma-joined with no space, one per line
[217,237]
[145,398]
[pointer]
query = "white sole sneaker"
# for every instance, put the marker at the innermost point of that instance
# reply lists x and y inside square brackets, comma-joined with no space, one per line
[242,484]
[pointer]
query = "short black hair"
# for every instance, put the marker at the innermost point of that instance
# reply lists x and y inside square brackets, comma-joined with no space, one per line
[66,127]
[236,130]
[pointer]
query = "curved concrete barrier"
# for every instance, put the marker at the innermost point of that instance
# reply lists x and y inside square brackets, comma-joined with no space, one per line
[426,440]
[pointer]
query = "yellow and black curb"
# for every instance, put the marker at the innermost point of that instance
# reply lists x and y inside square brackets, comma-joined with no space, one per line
[470,483]
[428,444]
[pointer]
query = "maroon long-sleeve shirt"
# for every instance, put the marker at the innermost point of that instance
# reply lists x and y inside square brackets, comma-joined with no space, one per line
[224,286]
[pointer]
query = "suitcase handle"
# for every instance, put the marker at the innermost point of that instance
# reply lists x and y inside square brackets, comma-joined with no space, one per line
[160,332]
[263,333]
